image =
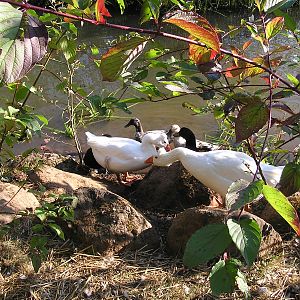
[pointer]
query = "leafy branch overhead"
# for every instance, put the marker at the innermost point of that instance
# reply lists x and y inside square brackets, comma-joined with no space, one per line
[23,43]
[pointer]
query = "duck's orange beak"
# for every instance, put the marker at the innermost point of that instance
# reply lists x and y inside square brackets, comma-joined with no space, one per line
[149,160]
[168,148]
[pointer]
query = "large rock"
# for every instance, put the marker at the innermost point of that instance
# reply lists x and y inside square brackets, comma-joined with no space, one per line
[192,219]
[12,200]
[170,188]
[62,182]
[110,224]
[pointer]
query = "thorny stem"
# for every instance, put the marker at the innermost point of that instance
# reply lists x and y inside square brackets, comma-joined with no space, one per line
[152,32]
[72,115]
[270,104]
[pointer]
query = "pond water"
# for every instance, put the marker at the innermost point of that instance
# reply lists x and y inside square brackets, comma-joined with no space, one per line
[153,115]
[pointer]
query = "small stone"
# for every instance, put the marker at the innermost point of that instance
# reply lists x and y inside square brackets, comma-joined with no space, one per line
[262,290]
[88,292]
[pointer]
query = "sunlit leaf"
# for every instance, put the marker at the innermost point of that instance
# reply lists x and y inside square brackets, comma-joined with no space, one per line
[192,107]
[241,192]
[205,244]
[101,11]
[251,118]
[274,26]
[147,88]
[246,235]
[222,277]
[119,58]
[272,5]
[121,6]
[282,205]
[292,79]
[198,27]
[23,42]
[57,229]
[242,284]
[200,54]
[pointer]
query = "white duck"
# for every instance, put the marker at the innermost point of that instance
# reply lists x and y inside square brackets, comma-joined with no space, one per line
[217,169]
[120,155]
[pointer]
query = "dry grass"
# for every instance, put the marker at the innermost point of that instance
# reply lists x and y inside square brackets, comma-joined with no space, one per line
[137,275]
[72,274]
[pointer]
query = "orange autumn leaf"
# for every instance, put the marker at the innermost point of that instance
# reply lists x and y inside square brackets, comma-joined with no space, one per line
[101,11]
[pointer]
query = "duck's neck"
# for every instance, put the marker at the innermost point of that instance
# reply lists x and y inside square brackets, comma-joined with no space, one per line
[172,156]
[139,128]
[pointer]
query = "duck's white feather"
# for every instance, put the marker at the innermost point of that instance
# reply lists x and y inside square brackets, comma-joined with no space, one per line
[218,169]
[122,154]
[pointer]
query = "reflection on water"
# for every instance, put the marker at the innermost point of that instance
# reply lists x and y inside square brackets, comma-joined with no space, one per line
[153,115]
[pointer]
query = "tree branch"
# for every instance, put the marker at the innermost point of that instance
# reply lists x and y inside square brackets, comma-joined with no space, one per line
[152,32]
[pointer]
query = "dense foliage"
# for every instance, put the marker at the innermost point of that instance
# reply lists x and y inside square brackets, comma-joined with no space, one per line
[223,76]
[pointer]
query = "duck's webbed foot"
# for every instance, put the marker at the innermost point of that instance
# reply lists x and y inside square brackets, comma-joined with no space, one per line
[128,180]
[216,200]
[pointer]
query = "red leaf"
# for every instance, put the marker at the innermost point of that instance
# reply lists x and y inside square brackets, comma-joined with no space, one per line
[234,71]
[250,119]
[101,11]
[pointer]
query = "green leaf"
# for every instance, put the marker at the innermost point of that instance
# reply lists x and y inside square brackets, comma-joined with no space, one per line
[150,10]
[36,261]
[282,205]
[12,111]
[47,18]
[132,100]
[23,42]
[290,178]
[121,6]
[119,58]
[272,5]
[242,284]
[274,26]
[241,192]
[205,244]
[38,241]
[147,88]
[57,229]
[37,228]
[95,50]
[260,4]
[293,79]
[289,22]
[246,235]
[250,119]
[198,27]
[83,4]
[223,276]
[68,47]
[40,213]
[153,53]
[42,119]
[192,107]
[21,92]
